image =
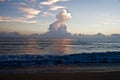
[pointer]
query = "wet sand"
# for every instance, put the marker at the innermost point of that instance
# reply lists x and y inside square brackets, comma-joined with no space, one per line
[63,76]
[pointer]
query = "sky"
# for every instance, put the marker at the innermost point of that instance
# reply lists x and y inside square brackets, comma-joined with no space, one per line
[35,16]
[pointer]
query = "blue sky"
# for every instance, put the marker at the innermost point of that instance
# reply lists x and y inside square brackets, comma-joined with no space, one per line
[35,16]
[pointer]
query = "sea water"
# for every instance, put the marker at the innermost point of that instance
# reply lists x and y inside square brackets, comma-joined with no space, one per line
[33,46]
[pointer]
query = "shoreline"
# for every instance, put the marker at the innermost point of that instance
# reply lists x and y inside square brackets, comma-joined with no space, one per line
[59,69]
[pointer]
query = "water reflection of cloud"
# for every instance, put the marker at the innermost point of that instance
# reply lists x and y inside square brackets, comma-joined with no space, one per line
[46,46]
[59,46]
[31,47]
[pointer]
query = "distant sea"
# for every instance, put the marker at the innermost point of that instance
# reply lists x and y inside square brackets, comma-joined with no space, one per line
[33,46]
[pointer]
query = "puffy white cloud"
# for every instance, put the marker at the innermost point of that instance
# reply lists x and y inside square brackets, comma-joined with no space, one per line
[58,29]
[62,18]
[30,12]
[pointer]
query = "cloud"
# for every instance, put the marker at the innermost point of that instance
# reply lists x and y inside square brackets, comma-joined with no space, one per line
[58,29]
[10,19]
[62,18]
[2,0]
[55,7]
[30,9]
[47,14]
[32,0]
[51,2]
[30,12]
[23,4]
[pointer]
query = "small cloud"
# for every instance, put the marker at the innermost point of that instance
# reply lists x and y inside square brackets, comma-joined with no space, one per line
[54,8]
[32,0]
[47,14]
[30,12]
[50,2]
[30,21]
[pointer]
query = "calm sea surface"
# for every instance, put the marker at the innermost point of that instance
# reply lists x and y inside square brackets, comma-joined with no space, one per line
[53,46]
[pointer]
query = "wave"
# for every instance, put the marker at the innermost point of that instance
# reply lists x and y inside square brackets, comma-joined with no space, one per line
[71,59]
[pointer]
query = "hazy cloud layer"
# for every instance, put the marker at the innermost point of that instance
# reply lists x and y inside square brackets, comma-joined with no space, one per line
[30,12]
[2,0]
[22,20]
[55,7]
[51,2]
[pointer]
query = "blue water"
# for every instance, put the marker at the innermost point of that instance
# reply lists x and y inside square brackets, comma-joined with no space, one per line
[53,46]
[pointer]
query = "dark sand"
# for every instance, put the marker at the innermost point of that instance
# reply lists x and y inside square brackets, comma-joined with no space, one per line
[63,76]
[61,73]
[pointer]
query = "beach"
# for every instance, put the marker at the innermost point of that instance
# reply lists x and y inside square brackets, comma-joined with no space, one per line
[61,73]
[63,76]
[33,59]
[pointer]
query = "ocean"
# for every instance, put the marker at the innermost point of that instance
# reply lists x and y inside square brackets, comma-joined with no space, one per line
[31,46]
